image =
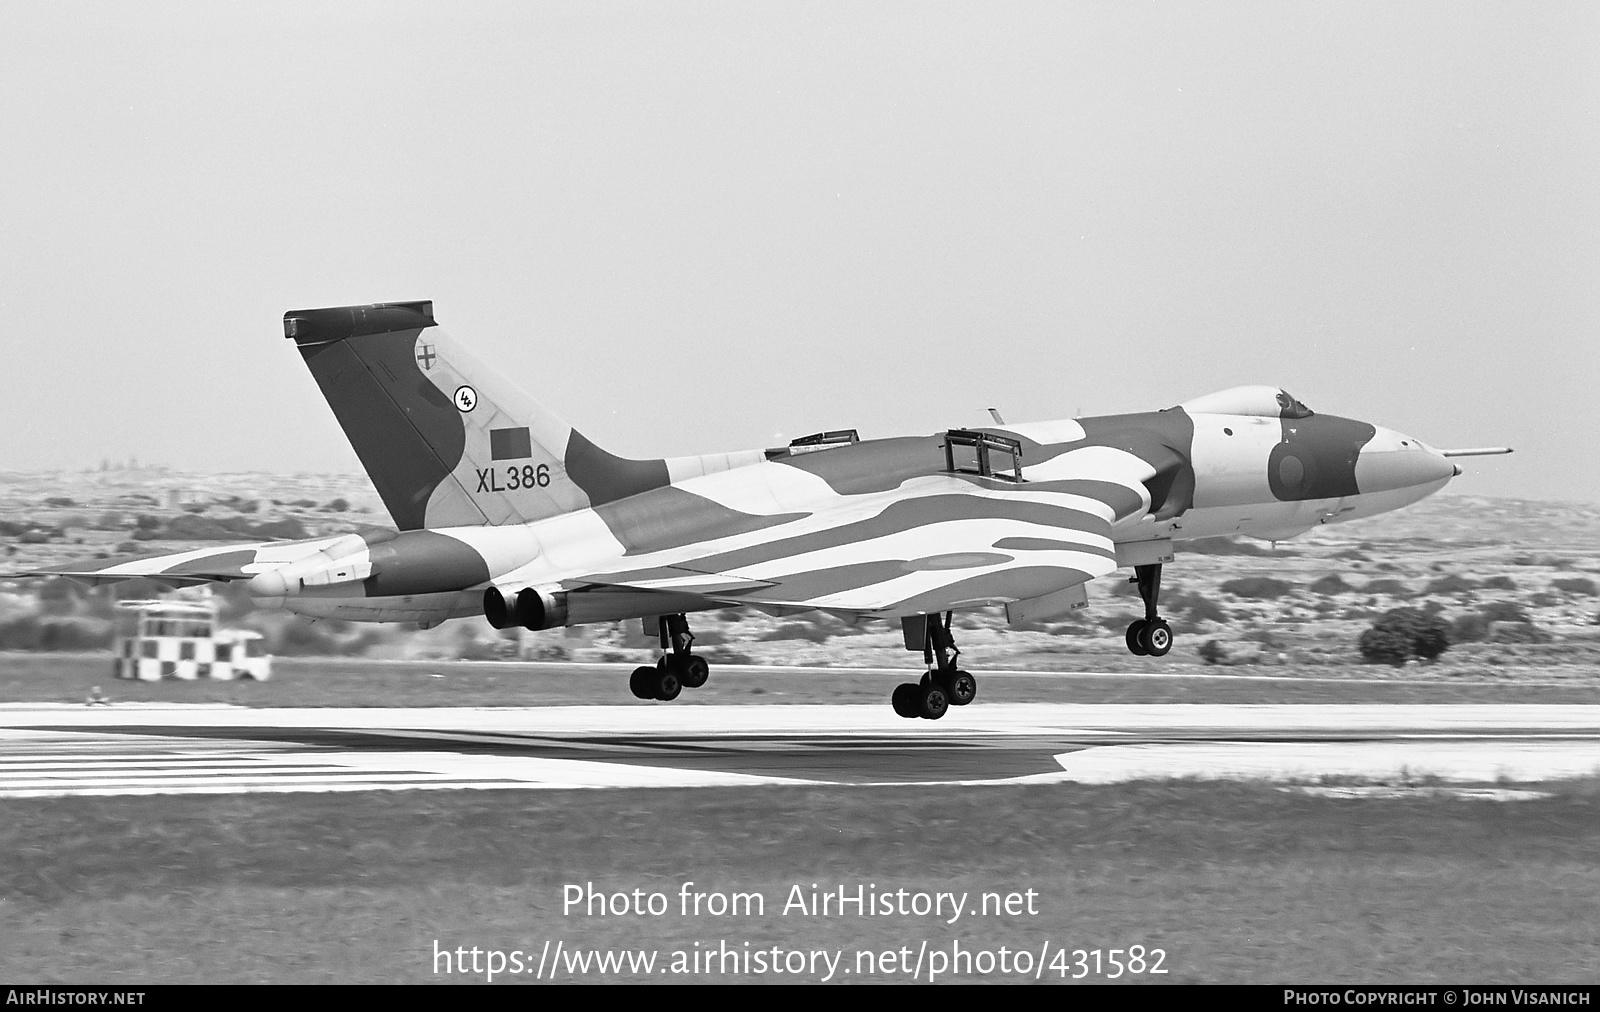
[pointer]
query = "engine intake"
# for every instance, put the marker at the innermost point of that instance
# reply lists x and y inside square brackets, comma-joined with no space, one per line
[529,607]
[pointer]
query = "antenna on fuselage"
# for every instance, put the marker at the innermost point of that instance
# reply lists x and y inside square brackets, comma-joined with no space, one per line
[995,414]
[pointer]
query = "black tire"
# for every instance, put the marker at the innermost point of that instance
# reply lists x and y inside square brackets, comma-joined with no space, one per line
[668,684]
[694,671]
[1136,638]
[933,701]
[1156,638]
[904,700]
[642,683]
[960,688]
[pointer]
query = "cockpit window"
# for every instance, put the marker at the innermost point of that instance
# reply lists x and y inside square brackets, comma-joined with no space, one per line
[1288,407]
[1260,401]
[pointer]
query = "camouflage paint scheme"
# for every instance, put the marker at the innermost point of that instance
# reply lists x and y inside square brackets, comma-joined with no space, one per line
[487,489]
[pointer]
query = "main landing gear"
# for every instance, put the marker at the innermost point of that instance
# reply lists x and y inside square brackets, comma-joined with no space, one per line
[678,669]
[945,685]
[1149,636]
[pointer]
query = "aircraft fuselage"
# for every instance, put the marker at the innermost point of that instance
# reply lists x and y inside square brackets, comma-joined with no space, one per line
[1188,474]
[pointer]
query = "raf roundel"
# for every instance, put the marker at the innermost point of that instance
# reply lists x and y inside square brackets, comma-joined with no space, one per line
[466,398]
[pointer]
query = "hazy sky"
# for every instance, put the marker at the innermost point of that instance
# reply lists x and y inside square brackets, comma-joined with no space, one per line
[691,227]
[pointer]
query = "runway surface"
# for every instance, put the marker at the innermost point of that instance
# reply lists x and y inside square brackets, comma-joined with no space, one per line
[59,750]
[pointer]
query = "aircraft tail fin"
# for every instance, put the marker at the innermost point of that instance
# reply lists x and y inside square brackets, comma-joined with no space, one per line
[445,439]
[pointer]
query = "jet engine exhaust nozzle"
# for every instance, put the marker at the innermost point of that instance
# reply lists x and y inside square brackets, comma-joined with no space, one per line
[529,607]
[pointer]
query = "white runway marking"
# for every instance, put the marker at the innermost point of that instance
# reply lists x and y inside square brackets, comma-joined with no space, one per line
[1466,761]
[59,750]
[35,764]
[1403,792]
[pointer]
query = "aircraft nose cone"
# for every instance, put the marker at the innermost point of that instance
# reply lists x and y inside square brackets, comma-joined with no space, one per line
[1386,469]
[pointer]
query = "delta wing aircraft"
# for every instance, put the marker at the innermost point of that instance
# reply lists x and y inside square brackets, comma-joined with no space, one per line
[502,510]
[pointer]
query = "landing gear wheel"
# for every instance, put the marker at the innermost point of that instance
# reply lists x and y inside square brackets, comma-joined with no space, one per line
[677,669]
[1155,638]
[959,687]
[905,701]
[1136,638]
[694,671]
[942,685]
[642,683]
[667,684]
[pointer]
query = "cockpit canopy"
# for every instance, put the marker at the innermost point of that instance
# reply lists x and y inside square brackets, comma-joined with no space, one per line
[1264,401]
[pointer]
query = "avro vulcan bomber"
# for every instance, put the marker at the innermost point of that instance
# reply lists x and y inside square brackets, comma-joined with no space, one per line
[504,512]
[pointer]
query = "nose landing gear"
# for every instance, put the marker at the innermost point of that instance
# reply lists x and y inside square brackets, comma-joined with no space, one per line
[678,669]
[1149,636]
